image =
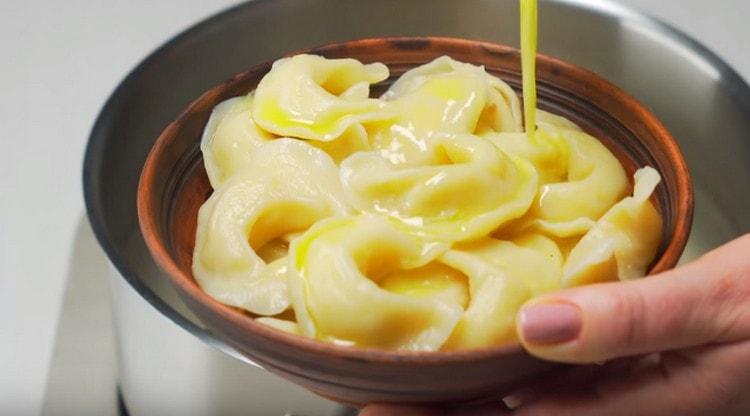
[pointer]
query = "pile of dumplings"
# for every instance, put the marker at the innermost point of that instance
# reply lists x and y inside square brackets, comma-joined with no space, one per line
[420,220]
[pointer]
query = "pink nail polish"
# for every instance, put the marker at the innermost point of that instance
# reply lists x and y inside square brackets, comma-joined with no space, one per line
[551,323]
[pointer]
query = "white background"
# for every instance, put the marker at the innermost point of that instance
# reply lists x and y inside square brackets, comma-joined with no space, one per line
[60,61]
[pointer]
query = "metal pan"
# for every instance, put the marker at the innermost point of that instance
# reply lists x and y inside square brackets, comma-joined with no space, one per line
[700,99]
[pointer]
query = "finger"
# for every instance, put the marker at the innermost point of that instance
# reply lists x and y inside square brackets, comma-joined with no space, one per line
[706,301]
[706,381]
[575,379]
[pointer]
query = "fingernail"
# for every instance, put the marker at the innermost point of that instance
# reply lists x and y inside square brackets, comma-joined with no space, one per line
[550,323]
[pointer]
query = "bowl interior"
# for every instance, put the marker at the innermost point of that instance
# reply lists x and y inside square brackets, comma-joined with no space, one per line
[174,183]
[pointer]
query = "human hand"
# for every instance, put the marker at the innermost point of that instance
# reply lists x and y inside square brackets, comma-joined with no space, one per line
[697,317]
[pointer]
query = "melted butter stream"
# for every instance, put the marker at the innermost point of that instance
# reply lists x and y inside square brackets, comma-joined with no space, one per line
[420,220]
[529,34]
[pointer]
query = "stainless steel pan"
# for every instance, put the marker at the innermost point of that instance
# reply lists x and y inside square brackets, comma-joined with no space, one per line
[701,100]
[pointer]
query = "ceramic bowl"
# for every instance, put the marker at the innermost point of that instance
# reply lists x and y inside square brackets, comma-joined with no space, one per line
[174,185]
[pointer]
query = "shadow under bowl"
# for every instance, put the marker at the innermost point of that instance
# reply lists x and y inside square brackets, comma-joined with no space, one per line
[174,185]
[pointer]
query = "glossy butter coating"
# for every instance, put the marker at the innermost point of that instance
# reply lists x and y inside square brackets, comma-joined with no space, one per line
[420,220]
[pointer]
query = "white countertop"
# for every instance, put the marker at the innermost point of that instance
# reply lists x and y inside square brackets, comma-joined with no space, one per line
[61,60]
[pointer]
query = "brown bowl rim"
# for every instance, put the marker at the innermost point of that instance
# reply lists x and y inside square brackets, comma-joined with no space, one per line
[188,285]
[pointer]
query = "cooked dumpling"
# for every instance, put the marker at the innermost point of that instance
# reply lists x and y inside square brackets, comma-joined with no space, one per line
[581,179]
[502,276]
[467,189]
[229,139]
[595,180]
[353,140]
[443,95]
[231,136]
[547,153]
[446,95]
[502,110]
[280,324]
[623,242]
[552,122]
[313,98]
[285,189]
[548,150]
[338,270]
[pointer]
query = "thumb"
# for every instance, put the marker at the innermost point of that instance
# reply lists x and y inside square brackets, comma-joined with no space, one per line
[704,302]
